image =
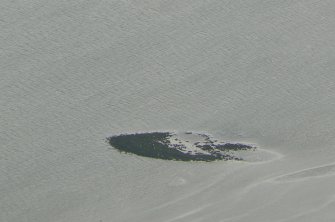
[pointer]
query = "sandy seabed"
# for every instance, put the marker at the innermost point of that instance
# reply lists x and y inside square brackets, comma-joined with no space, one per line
[74,72]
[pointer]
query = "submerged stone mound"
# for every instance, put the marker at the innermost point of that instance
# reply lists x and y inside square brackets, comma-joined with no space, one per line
[186,146]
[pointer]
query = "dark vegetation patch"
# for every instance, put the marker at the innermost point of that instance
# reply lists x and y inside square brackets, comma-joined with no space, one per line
[159,145]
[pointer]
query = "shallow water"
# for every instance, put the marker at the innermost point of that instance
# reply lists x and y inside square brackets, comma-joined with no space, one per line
[76,72]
